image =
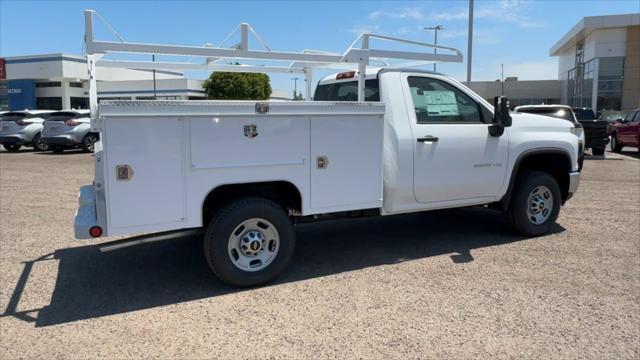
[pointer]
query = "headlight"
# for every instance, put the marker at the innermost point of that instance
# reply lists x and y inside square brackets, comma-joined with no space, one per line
[577,131]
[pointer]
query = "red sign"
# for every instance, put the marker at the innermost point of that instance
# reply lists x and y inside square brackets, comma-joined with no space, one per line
[3,70]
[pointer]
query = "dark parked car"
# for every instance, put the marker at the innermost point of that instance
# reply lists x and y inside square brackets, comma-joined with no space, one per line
[596,133]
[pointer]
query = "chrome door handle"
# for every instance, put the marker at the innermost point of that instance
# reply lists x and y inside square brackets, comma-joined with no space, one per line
[428,138]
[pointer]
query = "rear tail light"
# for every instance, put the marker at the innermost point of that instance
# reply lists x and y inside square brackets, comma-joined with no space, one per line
[345,75]
[95,231]
[22,122]
[71,123]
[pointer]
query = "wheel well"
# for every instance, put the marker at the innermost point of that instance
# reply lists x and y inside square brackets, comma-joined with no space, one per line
[555,163]
[283,193]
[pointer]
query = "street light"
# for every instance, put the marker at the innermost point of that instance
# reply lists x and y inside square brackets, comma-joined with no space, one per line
[295,87]
[435,29]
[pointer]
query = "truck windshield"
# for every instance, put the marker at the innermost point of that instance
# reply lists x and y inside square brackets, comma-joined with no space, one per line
[560,113]
[584,114]
[347,91]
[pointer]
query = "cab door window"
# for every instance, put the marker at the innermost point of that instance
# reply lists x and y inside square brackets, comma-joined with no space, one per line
[436,101]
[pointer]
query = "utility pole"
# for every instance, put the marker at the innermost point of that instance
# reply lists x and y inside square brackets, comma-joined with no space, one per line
[469,42]
[153,59]
[502,79]
[295,87]
[435,29]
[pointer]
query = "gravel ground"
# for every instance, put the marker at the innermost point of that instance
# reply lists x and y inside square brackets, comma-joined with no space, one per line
[451,284]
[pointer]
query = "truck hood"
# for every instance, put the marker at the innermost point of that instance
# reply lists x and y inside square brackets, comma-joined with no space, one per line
[540,122]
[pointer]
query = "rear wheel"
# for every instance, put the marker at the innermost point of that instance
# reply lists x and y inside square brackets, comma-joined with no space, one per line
[249,242]
[38,145]
[88,142]
[597,151]
[535,203]
[12,147]
[615,145]
[58,149]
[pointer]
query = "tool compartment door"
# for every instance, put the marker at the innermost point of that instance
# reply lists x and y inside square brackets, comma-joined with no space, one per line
[346,162]
[153,149]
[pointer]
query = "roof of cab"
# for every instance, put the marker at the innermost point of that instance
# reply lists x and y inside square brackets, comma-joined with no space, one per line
[372,73]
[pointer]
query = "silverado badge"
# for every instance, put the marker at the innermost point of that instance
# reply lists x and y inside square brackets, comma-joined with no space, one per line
[251,131]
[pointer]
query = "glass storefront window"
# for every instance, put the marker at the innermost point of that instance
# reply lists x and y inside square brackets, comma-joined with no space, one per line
[610,75]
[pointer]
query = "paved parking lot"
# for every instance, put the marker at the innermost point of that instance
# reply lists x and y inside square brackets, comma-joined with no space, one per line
[445,284]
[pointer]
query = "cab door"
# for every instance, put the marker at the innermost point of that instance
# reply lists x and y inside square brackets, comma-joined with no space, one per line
[455,158]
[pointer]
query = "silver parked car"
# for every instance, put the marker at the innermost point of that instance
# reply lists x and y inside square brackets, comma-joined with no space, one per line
[69,129]
[23,128]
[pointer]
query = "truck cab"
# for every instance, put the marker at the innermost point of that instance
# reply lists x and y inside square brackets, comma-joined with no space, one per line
[440,131]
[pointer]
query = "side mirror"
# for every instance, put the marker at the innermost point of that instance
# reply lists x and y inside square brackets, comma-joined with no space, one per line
[501,116]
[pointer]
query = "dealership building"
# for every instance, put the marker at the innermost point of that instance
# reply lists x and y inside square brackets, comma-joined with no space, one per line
[599,63]
[60,81]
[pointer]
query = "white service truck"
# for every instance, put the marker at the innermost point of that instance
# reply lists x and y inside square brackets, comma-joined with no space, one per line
[245,172]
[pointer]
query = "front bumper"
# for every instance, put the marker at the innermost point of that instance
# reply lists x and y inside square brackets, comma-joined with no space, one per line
[574,183]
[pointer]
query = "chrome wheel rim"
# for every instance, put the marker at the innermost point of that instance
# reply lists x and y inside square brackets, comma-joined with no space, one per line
[539,205]
[613,142]
[253,244]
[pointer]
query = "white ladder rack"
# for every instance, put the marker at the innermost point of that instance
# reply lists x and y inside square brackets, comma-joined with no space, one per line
[358,53]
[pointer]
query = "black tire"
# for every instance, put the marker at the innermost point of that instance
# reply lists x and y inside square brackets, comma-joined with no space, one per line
[38,145]
[597,151]
[580,162]
[219,231]
[57,149]
[12,147]
[615,145]
[517,212]
[88,141]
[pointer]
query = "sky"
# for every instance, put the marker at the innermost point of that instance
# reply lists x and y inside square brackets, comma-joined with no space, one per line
[515,33]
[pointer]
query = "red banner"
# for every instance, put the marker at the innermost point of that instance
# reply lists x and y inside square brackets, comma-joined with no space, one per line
[3,69]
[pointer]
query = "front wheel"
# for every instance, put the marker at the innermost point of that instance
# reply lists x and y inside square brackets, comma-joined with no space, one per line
[597,151]
[615,145]
[57,149]
[249,242]
[535,203]
[12,147]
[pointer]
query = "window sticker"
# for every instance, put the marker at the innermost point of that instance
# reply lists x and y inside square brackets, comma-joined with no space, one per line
[441,103]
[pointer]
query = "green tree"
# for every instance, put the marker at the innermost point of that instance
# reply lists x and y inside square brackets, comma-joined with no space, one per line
[237,86]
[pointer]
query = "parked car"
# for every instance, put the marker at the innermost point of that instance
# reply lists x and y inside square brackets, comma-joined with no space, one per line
[595,130]
[23,128]
[626,132]
[69,129]
[611,117]
[563,112]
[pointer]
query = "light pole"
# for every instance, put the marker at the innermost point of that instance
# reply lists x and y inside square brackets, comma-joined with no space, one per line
[295,87]
[469,42]
[435,29]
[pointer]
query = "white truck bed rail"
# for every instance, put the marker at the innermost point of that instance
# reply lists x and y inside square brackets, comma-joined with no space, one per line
[359,53]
